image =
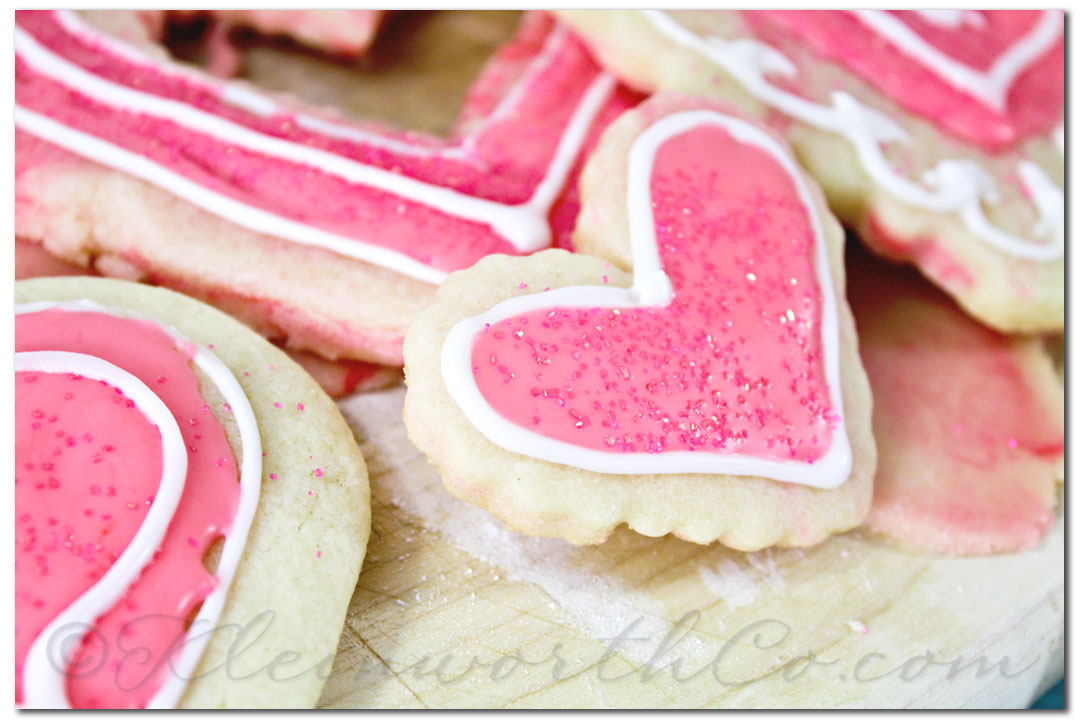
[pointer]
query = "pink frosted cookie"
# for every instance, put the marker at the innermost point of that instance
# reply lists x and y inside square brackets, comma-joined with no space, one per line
[711,389]
[324,232]
[338,378]
[937,134]
[969,424]
[177,480]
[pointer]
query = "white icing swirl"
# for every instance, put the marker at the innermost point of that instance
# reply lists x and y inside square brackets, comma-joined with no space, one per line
[524,226]
[651,288]
[952,186]
[43,679]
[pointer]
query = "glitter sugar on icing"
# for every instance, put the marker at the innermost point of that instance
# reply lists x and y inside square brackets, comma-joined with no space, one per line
[100,333]
[412,204]
[721,358]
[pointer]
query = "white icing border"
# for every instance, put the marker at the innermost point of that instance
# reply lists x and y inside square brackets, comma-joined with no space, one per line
[525,226]
[48,684]
[952,186]
[651,287]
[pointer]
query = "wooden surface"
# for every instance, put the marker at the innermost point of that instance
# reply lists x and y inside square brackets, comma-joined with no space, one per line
[453,611]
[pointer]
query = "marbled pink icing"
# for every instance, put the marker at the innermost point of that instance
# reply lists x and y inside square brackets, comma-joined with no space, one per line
[724,368]
[68,535]
[967,442]
[1034,101]
[505,162]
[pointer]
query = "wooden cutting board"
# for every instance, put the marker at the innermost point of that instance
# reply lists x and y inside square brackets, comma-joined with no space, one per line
[454,611]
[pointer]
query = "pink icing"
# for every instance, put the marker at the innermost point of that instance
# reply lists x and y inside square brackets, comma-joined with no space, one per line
[733,365]
[87,463]
[122,665]
[505,162]
[967,438]
[1034,102]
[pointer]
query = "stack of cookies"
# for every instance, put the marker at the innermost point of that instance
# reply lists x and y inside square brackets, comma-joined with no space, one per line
[744,277]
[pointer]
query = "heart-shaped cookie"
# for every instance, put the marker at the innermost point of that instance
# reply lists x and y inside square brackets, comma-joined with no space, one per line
[722,363]
[938,136]
[295,174]
[333,233]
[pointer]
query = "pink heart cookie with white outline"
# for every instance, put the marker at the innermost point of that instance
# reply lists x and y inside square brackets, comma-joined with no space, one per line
[714,394]
[393,211]
[938,135]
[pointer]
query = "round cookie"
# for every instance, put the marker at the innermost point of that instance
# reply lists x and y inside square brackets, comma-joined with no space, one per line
[937,135]
[547,394]
[277,632]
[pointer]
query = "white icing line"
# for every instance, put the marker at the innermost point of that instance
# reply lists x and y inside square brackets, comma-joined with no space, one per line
[500,217]
[570,143]
[955,186]
[992,86]
[245,98]
[953,19]
[505,107]
[44,675]
[242,95]
[183,666]
[246,216]
[651,287]
[524,226]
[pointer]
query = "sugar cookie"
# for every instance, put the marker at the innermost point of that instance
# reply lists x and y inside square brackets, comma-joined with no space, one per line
[337,378]
[938,135]
[327,232]
[969,424]
[177,480]
[715,393]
